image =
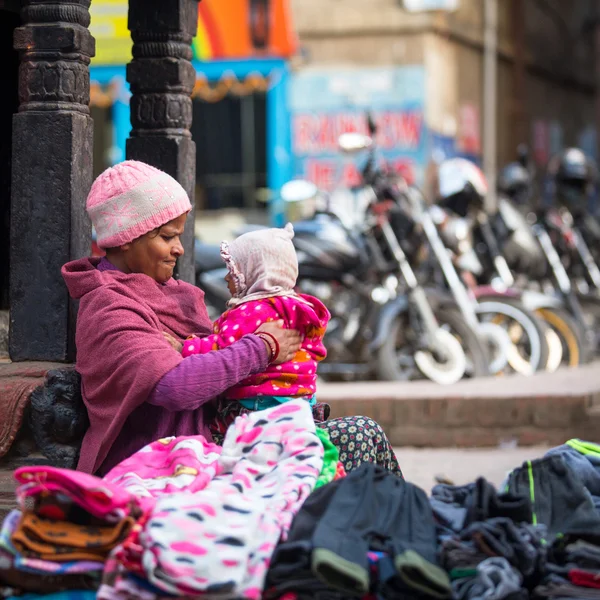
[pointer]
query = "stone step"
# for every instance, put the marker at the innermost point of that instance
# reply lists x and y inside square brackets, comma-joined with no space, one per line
[546,409]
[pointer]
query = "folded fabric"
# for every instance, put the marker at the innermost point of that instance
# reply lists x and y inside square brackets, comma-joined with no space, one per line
[100,498]
[62,541]
[340,472]
[130,552]
[485,503]
[36,565]
[583,554]
[560,500]
[45,583]
[330,459]
[565,590]
[166,466]
[584,459]
[66,595]
[58,507]
[460,554]
[456,507]
[114,575]
[301,584]
[449,518]
[10,523]
[588,579]
[369,510]
[220,540]
[461,573]
[522,545]
[495,580]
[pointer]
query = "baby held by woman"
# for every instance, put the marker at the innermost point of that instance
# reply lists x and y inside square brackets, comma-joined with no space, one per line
[263,269]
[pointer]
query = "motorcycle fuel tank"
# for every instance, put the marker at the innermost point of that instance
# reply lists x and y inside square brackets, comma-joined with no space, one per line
[326,249]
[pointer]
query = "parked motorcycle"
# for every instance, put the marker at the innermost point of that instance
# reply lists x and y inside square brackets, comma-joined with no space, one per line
[374,328]
[547,264]
[382,323]
[462,192]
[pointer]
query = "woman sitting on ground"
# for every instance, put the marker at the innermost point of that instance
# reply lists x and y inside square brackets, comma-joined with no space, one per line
[136,386]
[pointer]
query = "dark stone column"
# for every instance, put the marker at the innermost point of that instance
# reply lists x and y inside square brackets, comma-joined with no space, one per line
[162,79]
[9,66]
[51,175]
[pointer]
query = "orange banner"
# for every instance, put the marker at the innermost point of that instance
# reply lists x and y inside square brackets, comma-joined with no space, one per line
[244,28]
[227,29]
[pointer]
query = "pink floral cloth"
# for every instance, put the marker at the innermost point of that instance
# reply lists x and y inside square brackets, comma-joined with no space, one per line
[219,541]
[296,378]
[169,465]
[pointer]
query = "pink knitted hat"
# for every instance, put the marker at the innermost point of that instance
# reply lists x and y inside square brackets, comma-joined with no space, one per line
[131,199]
[262,264]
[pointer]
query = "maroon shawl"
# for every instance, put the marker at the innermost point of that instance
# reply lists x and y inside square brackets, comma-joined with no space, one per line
[121,352]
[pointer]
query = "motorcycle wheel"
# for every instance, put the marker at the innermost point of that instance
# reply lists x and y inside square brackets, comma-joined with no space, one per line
[590,306]
[395,358]
[529,352]
[574,351]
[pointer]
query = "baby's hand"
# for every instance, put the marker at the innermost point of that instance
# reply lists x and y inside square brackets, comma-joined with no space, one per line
[175,344]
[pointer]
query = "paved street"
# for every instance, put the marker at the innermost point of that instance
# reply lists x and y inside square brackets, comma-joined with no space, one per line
[421,466]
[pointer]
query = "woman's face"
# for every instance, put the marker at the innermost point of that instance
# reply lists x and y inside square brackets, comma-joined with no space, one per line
[155,254]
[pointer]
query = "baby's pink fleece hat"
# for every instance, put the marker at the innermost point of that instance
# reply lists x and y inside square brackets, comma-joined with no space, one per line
[132,198]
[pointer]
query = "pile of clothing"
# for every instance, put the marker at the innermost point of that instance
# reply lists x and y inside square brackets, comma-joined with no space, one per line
[539,537]
[369,535]
[181,517]
[67,525]
[272,514]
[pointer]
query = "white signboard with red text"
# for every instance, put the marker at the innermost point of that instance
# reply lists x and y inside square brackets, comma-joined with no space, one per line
[328,102]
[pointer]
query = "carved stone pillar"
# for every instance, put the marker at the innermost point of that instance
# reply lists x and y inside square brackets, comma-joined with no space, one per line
[9,66]
[162,79]
[51,174]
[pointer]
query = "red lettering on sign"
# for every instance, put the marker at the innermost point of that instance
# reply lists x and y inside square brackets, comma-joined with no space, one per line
[318,134]
[351,176]
[321,173]
[407,129]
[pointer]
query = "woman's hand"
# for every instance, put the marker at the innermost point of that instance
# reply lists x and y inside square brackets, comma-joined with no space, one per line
[175,344]
[289,340]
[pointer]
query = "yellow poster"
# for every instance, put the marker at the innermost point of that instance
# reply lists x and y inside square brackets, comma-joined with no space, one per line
[109,27]
[226,29]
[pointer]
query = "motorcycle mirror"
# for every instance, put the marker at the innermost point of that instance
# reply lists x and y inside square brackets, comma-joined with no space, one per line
[298,190]
[354,142]
[372,126]
[523,155]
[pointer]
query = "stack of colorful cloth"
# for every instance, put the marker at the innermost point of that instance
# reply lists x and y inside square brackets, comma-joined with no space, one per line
[66,526]
[180,518]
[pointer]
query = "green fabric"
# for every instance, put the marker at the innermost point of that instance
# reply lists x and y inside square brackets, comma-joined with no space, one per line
[584,447]
[330,459]
[532,491]
[421,575]
[462,573]
[339,573]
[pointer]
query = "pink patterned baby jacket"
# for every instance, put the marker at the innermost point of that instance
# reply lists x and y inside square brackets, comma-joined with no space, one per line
[296,378]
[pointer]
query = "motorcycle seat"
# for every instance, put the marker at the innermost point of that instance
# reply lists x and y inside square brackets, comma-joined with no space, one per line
[207,257]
